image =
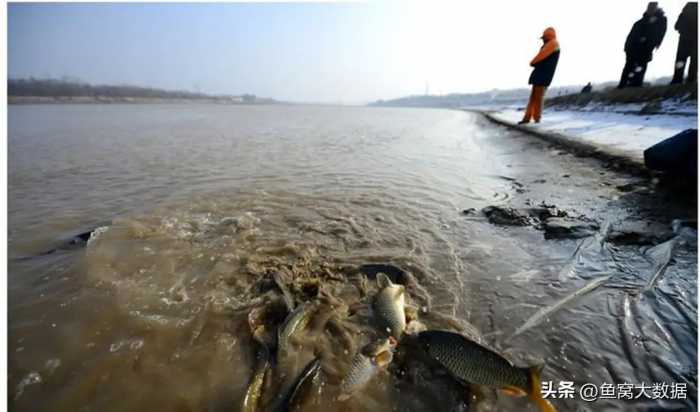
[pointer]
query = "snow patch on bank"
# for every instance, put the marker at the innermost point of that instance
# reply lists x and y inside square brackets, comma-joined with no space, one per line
[621,134]
[669,107]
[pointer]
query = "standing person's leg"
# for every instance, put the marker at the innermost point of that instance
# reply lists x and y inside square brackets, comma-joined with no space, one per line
[639,68]
[642,70]
[539,101]
[530,107]
[681,56]
[626,71]
[693,69]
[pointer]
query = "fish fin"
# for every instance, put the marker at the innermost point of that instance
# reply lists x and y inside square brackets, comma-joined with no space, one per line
[513,391]
[383,280]
[535,393]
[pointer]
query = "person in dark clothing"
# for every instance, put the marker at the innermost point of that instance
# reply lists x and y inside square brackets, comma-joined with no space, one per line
[687,27]
[545,63]
[587,88]
[646,35]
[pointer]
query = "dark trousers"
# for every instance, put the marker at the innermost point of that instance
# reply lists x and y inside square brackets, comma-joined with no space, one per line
[633,72]
[686,48]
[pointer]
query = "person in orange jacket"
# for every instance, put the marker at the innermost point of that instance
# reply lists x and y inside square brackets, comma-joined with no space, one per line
[545,63]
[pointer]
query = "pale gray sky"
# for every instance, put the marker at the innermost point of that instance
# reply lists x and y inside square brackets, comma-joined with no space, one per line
[328,52]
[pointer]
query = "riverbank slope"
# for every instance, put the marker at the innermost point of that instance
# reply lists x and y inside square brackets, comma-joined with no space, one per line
[613,124]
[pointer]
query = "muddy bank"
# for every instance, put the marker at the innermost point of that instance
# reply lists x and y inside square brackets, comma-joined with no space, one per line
[626,162]
[559,224]
[616,161]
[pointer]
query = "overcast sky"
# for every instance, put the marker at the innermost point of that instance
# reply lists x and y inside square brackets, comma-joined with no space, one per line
[327,52]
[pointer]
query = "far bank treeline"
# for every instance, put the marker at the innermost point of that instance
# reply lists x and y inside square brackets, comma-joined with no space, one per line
[54,89]
[454,100]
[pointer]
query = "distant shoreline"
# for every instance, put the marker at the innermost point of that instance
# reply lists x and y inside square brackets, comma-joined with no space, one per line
[20,100]
[568,96]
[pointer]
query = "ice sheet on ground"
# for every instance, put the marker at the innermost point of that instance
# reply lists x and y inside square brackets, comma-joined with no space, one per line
[623,134]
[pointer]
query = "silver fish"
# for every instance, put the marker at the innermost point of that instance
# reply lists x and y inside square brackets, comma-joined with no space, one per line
[308,379]
[365,364]
[389,306]
[295,322]
[253,395]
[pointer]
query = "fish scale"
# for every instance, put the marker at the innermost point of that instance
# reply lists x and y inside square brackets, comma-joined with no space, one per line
[389,306]
[361,370]
[472,362]
[365,365]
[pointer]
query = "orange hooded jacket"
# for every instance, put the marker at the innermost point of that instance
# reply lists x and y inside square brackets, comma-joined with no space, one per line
[550,46]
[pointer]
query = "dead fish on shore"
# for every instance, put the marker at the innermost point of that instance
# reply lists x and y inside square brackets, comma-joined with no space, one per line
[389,306]
[470,362]
[370,360]
[293,324]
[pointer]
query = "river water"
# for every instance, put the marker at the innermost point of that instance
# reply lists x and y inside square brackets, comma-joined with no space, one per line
[200,204]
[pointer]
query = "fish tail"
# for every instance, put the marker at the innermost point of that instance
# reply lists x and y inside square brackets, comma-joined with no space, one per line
[535,393]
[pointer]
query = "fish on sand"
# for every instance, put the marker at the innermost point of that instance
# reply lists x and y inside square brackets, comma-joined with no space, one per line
[471,362]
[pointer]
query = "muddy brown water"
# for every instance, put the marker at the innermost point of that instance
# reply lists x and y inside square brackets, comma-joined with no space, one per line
[202,204]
